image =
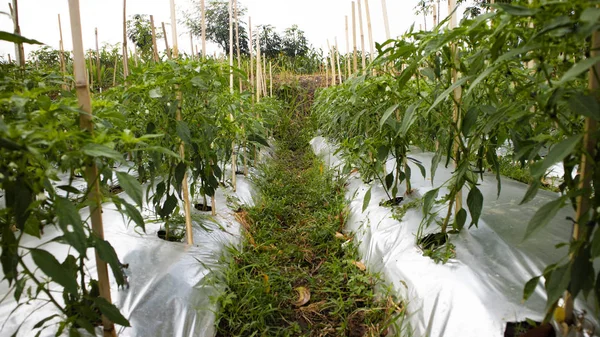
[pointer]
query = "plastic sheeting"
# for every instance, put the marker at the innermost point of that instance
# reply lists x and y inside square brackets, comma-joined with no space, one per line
[479,291]
[171,285]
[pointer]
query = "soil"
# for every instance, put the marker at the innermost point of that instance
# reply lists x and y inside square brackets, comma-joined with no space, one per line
[162,234]
[203,208]
[116,189]
[525,329]
[392,202]
[433,240]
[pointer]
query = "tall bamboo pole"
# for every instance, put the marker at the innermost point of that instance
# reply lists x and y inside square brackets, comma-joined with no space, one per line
[251,52]
[95,196]
[457,97]
[63,65]
[264,76]
[191,46]
[98,70]
[435,15]
[237,39]
[271,78]
[203,23]
[154,45]
[115,70]
[370,30]
[174,30]
[233,154]
[337,56]
[355,57]
[332,60]
[125,53]
[362,36]
[326,72]
[386,21]
[169,54]
[19,51]
[258,69]
[347,49]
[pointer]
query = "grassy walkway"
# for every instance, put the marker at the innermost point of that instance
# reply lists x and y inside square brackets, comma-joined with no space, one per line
[296,275]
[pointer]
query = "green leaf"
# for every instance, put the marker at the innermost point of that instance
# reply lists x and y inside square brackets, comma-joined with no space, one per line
[590,14]
[107,254]
[367,199]
[442,97]
[43,321]
[556,283]
[183,131]
[180,170]
[429,199]
[408,119]
[516,10]
[134,215]
[99,150]
[389,180]
[168,206]
[582,273]
[14,38]
[387,115]
[531,192]
[111,312]
[71,224]
[460,219]
[543,216]
[596,244]
[585,105]
[51,267]
[254,138]
[131,186]
[475,204]
[32,227]
[556,154]
[530,287]
[578,69]
[69,189]
[469,121]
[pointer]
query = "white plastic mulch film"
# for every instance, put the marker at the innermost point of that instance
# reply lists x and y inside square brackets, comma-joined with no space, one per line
[171,285]
[479,291]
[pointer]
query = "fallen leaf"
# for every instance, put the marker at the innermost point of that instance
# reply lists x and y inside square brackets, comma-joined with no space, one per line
[266,282]
[340,236]
[303,296]
[359,265]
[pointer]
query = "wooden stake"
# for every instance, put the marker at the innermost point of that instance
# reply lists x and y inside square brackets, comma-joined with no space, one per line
[203,22]
[125,53]
[347,49]
[191,46]
[264,76]
[435,15]
[154,44]
[271,78]
[98,66]
[386,21]
[94,196]
[169,54]
[174,30]
[362,37]
[326,73]
[457,98]
[337,55]
[370,30]
[115,70]
[63,65]
[332,60]
[237,39]
[258,69]
[355,57]
[251,53]
[19,51]
[233,154]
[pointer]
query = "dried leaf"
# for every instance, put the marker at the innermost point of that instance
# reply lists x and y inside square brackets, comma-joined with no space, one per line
[303,296]
[340,236]
[359,265]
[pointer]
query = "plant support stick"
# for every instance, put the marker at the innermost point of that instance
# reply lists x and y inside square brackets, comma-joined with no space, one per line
[362,37]
[94,196]
[125,54]
[154,46]
[354,56]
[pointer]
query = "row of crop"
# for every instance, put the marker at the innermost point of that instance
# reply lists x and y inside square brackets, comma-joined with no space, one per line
[139,125]
[516,79]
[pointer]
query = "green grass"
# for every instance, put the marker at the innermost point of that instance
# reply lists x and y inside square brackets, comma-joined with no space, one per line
[290,243]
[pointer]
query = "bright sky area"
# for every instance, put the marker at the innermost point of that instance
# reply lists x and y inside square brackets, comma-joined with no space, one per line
[321,20]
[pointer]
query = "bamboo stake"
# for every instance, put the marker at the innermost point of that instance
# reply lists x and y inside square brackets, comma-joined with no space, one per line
[95,196]
[191,46]
[233,154]
[203,23]
[271,78]
[347,49]
[386,21]
[355,57]
[264,76]
[115,70]
[258,69]
[251,53]
[370,30]
[9,59]
[125,54]
[197,52]
[174,30]
[154,45]
[98,70]
[435,15]
[63,65]
[326,72]
[337,55]
[332,60]
[90,74]
[457,98]
[237,39]
[169,54]
[362,37]
[19,51]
